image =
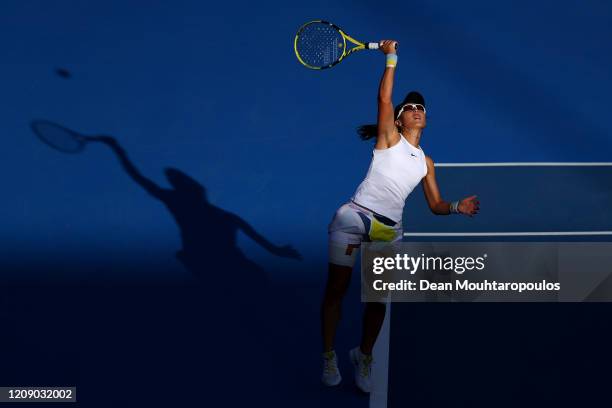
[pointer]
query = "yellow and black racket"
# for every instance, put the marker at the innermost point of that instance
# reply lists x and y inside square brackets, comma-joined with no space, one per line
[319,45]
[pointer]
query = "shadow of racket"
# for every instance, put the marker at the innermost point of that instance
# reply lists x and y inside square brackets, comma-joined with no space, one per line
[59,137]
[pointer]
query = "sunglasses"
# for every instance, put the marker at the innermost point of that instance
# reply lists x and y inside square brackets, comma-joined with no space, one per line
[412,107]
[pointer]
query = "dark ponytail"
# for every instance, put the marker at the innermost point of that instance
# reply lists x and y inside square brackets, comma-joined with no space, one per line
[367,132]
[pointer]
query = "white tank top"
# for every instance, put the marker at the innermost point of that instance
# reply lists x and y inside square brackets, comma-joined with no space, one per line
[393,174]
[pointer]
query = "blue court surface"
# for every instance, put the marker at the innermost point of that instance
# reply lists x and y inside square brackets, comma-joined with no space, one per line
[164,272]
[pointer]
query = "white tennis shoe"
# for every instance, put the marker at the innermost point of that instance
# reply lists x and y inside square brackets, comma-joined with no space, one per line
[331,374]
[363,369]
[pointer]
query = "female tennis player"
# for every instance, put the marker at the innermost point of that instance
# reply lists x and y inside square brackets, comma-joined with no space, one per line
[374,213]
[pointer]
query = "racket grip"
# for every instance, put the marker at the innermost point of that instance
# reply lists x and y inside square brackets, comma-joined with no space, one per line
[375,46]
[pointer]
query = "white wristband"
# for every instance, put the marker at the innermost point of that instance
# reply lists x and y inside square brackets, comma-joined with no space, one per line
[454,207]
[391,60]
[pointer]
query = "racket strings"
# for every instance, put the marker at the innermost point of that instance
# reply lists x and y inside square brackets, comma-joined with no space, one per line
[320,45]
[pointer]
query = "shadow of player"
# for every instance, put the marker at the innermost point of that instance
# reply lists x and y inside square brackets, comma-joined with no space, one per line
[230,300]
[208,234]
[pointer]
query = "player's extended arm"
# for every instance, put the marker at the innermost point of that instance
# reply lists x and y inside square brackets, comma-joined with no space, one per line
[152,188]
[387,132]
[468,206]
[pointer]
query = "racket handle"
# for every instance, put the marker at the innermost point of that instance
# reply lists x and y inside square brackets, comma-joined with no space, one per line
[375,46]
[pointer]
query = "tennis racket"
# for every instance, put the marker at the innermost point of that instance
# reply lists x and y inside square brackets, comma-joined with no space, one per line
[59,137]
[319,44]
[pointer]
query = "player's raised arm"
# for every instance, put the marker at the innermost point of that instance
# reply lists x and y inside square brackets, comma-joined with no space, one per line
[468,206]
[387,134]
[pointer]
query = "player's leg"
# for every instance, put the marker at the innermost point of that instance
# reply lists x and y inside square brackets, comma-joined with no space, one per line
[381,229]
[361,356]
[338,280]
[345,234]
[373,318]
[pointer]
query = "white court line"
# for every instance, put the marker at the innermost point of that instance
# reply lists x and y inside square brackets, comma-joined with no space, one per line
[526,164]
[505,234]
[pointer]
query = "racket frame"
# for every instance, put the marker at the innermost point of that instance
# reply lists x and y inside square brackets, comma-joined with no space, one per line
[359,46]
